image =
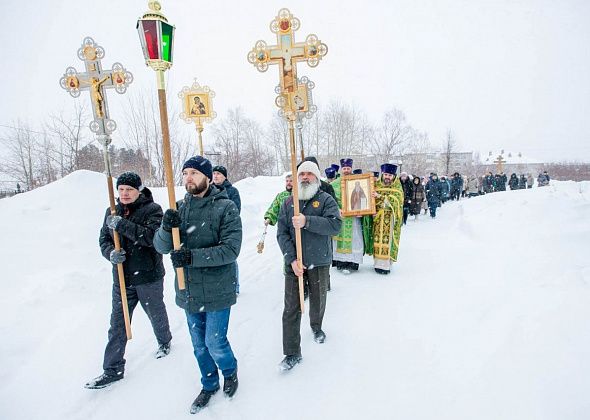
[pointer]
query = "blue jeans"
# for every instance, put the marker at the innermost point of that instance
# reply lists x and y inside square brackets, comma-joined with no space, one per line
[208,332]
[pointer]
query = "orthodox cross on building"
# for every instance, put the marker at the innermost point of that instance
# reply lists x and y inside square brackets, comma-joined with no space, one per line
[286,54]
[95,80]
[499,162]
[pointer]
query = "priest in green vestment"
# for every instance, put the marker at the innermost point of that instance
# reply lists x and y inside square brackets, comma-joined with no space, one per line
[387,223]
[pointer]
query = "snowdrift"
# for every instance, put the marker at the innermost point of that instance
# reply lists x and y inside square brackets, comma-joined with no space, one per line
[485,317]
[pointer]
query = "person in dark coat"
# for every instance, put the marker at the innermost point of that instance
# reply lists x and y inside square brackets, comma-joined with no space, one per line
[408,191]
[221,182]
[136,220]
[522,182]
[489,184]
[418,197]
[501,180]
[319,220]
[211,238]
[433,194]
[513,182]
[456,186]
[445,189]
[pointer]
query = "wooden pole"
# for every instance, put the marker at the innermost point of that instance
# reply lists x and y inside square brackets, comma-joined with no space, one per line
[168,166]
[301,143]
[296,212]
[200,131]
[121,274]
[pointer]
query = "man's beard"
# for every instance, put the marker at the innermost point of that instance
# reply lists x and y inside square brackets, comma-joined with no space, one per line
[387,181]
[196,189]
[308,189]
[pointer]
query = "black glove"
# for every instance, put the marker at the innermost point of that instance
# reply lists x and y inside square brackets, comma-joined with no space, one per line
[181,258]
[171,220]
[117,257]
[113,221]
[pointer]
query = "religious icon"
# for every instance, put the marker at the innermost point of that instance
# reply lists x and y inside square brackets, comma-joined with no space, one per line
[357,195]
[197,107]
[72,82]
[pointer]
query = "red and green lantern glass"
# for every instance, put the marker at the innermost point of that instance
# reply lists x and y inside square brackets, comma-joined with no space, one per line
[157,40]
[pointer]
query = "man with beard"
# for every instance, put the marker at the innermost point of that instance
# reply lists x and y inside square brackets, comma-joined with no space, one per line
[318,220]
[353,239]
[136,221]
[272,214]
[324,186]
[211,237]
[387,223]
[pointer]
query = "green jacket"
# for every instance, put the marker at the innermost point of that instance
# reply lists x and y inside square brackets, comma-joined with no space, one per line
[272,213]
[212,229]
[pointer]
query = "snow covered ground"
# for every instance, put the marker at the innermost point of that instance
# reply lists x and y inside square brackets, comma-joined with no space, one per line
[484,317]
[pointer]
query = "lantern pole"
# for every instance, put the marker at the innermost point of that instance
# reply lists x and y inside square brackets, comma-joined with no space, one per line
[156,37]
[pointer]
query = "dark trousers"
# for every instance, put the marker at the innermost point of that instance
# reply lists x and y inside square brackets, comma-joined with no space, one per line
[406,213]
[151,297]
[317,279]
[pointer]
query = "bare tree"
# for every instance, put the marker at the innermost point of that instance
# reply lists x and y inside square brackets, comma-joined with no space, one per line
[392,136]
[449,145]
[20,147]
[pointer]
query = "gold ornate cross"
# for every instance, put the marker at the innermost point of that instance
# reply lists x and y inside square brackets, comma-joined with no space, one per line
[95,80]
[499,162]
[286,53]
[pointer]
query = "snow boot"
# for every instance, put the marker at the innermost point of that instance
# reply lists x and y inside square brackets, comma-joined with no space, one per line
[230,384]
[103,381]
[163,350]
[381,271]
[290,361]
[202,400]
[319,336]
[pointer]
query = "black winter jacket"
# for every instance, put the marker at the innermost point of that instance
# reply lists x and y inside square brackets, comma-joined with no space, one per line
[322,222]
[136,232]
[232,193]
[212,229]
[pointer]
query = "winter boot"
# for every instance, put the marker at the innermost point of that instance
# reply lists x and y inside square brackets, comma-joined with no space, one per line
[163,350]
[381,271]
[290,361]
[202,400]
[230,384]
[319,336]
[103,381]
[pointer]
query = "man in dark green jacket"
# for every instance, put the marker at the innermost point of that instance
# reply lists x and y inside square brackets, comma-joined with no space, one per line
[211,234]
[319,220]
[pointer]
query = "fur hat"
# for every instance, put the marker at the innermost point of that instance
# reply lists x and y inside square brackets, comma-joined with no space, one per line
[130,179]
[201,164]
[309,167]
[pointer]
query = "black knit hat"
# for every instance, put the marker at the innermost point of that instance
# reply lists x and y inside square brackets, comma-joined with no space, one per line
[201,164]
[220,169]
[131,179]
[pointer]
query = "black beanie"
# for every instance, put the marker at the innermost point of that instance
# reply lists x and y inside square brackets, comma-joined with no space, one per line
[131,179]
[220,169]
[201,164]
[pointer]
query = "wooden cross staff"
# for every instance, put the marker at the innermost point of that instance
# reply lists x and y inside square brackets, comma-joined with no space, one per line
[499,162]
[286,54]
[95,80]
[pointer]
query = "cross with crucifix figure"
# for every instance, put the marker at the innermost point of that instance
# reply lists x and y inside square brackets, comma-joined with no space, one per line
[95,80]
[499,162]
[293,96]
[286,54]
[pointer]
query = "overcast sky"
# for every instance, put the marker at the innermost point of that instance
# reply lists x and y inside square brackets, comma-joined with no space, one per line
[512,74]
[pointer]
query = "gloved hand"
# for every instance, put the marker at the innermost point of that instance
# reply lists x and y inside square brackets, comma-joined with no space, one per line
[181,258]
[117,257]
[113,221]
[170,220]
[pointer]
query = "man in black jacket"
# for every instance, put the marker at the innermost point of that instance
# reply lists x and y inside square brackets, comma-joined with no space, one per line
[319,220]
[211,234]
[136,220]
